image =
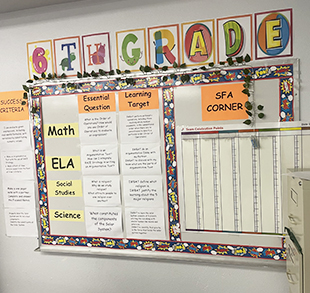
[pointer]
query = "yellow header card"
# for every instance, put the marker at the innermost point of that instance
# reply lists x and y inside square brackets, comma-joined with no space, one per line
[11,107]
[67,215]
[138,100]
[61,130]
[223,102]
[64,188]
[97,102]
[63,163]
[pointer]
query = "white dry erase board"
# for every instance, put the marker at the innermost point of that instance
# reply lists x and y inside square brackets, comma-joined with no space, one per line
[166,168]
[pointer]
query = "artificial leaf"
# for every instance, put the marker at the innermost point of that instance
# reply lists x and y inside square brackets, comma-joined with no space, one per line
[35,77]
[79,74]
[246,85]
[230,61]
[34,110]
[172,75]
[118,71]
[102,72]
[247,58]
[63,75]
[246,71]
[63,85]
[248,78]
[165,78]
[26,89]
[49,76]
[93,74]
[23,103]
[175,65]
[118,79]
[156,66]
[247,122]
[165,68]
[211,64]
[185,78]
[260,107]
[147,68]
[130,81]
[203,67]
[248,105]
[222,63]
[183,65]
[127,71]
[29,81]
[141,68]
[249,113]
[43,75]
[239,59]
[25,96]
[111,72]
[261,115]
[246,92]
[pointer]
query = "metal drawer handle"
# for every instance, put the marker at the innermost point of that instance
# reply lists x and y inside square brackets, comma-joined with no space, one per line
[289,278]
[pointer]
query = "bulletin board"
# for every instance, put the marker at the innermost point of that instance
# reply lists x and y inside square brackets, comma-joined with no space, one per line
[141,170]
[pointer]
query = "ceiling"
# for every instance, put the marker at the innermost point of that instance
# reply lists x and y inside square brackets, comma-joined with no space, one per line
[16,5]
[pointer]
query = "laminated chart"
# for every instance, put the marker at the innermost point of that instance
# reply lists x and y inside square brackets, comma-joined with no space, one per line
[232,179]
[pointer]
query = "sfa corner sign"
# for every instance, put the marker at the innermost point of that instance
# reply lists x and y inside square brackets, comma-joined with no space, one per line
[193,43]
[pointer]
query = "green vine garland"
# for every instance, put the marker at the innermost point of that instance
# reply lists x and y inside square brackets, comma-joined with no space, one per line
[251,109]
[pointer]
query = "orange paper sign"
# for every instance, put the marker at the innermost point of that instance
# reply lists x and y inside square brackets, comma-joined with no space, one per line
[11,108]
[223,102]
[138,100]
[97,102]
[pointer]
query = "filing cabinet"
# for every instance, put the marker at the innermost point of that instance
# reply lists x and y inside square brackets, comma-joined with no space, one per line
[298,227]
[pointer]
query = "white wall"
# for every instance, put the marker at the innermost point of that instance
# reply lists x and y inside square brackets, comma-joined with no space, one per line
[22,269]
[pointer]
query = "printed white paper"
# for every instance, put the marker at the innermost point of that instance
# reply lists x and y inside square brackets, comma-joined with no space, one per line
[17,165]
[20,222]
[99,159]
[145,223]
[18,194]
[98,127]
[15,135]
[139,126]
[143,191]
[141,159]
[104,222]
[101,190]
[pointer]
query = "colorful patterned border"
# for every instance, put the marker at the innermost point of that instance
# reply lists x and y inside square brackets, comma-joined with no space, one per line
[285,75]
